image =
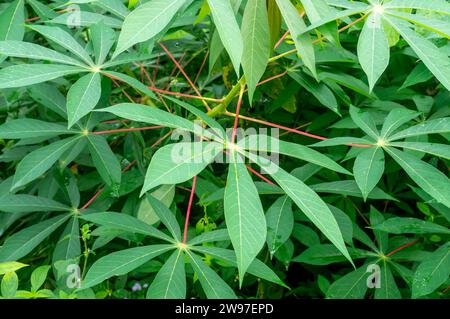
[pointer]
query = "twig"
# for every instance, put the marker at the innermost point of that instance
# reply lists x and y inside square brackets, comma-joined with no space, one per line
[184,74]
[188,212]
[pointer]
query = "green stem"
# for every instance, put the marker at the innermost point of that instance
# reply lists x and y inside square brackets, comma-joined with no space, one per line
[86,257]
[222,107]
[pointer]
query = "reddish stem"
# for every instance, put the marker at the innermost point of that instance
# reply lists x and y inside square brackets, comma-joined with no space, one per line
[161,98]
[318,137]
[115,121]
[402,247]
[260,176]
[159,141]
[123,91]
[272,78]
[155,71]
[188,213]
[280,127]
[38,18]
[132,129]
[184,74]
[238,109]
[89,202]
[205,59]
[100,191]
[183,95]
[175,75]
[129,166]
[281,39]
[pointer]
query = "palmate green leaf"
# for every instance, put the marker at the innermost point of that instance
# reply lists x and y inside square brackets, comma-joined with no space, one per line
[255,28]
[12,21]
[105,160]
[24,241]
[7,220]
[49,96]
[441,6]
[351,286]
[244,215]
[440,27]
[68,247]
[431,180]
[342,141]
[264,143]
[228,30]
[308,201]
[82,97]
[165,194]
[388,288]
[297,27]
[166,216]
[318,9]
[340,15]
[213,286]
[41,9]
[307,236]
[21,203]
[418,75]
[349,188]
[326,254]
[21,49]
[436,126]
[31,128]
[151,115]
[257,268]
[178,163]
[436,60]
[64,39]
[365,122]
[211,122]
[27,74]
[72,154]
[440,150]
[373,49]
[126,223]
[280,223]
[120,263]
[170,281]
[146,22]
[211,236]
[313,207]
[39,161]
[216,49]
[432,272]
[128,58]
[116,7]
[11,266]
[320,91]
[347,81]
[368,169]
[103,38]
[395,119]
[408,225]
[68,186]
[381,237]
[130,81]
[344,222]
[87,19]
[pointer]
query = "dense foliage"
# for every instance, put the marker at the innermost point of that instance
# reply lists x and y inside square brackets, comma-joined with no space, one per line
[105,192]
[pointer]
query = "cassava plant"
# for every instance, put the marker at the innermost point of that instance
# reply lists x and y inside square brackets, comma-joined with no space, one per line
[224,149]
